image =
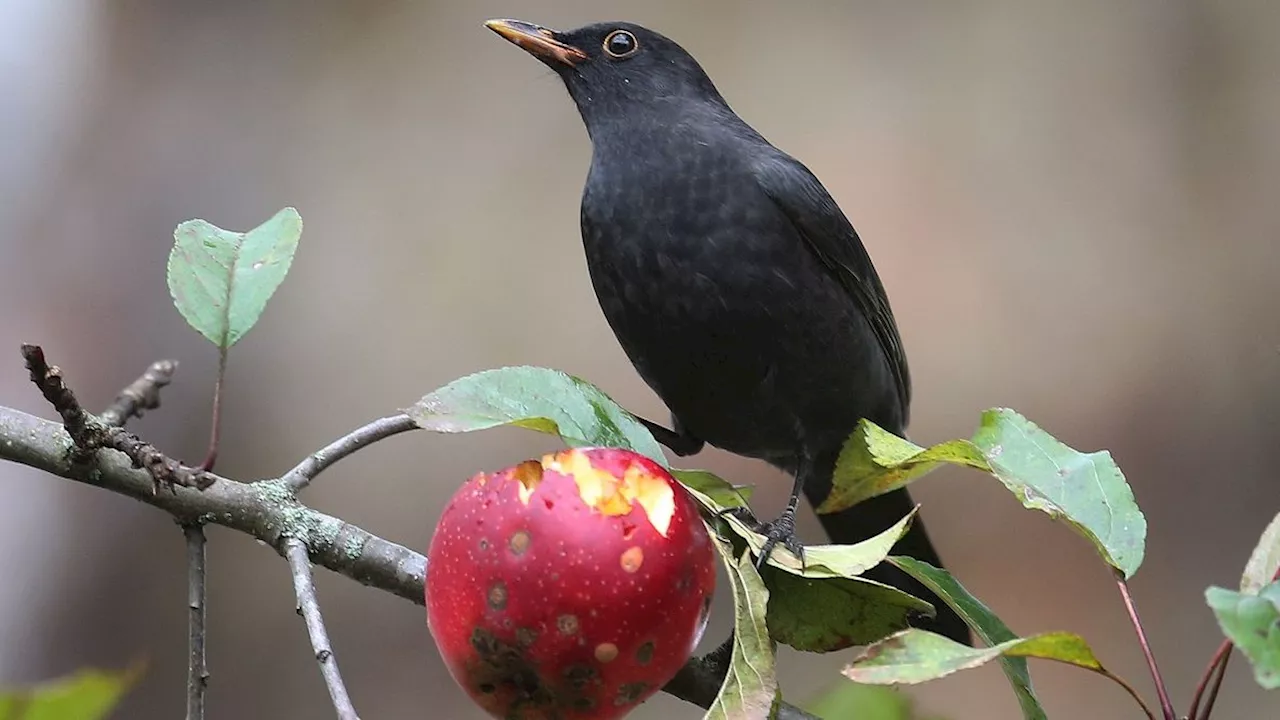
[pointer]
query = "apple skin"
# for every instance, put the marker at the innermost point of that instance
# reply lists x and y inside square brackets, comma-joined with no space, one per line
[571,587]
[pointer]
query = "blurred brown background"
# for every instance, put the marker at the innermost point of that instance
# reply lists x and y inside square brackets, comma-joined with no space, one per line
[1072,203]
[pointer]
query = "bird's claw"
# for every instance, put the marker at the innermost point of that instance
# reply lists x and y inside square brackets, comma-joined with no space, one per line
[780,532]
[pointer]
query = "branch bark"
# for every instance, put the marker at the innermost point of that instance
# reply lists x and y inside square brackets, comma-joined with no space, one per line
[264,510]
[197,671]
[309,608]
[141,394]
[316,463]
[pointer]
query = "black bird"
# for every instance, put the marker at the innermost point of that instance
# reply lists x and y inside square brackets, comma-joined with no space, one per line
[732,280]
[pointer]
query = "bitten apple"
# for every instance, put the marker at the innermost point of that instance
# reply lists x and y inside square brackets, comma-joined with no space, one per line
[572,587]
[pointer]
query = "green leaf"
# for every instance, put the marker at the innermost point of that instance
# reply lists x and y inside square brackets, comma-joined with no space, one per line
[1264,563]
[874,461]
[825,615]
[916,656]
[85,695]
[750,689]
[1252,622]
[827,561]
[985,624]
[1086,490]
[221,280]
[720,494]
[539,399]
[864,702]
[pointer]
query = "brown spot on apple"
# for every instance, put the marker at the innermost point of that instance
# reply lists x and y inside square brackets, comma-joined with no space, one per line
[519,542]
[632,558]
[606,652]
[628,693]
[525,637]
[579,676]
[498,595]
[644,653]
[567,624]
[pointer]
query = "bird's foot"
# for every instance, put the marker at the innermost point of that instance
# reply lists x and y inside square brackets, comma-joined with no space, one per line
[781,531]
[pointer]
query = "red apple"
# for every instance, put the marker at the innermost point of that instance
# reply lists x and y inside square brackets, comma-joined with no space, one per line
[573,587]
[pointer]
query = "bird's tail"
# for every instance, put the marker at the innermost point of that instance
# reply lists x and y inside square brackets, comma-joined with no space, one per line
[869,517]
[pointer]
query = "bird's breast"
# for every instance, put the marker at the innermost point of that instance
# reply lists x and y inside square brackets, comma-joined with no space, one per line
[712,294]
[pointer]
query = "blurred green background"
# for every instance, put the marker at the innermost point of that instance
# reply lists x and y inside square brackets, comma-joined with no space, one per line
[1071,202]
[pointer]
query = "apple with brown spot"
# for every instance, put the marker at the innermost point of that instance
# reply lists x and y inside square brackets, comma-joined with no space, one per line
[573,587]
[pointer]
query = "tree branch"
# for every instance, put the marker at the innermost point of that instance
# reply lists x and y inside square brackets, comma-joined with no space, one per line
[318,461]
[309,608]
[197,672]
[141,394]
[264,510]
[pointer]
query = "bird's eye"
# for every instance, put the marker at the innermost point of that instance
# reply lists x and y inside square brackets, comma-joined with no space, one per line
[620,44]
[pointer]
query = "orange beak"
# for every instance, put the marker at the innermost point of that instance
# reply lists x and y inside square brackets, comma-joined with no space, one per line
[538,41]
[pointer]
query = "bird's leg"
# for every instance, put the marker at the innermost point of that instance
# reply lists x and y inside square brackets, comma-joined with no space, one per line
[783,528]
[679,441]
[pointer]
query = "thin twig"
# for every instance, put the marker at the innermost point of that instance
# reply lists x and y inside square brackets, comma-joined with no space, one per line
[141,394]
[197,671]
[308,607]
[89,434]
[49,379]
[215,430]
[1133,693]
[1166,707]
[1219,657]
[318,461]
[1217,685]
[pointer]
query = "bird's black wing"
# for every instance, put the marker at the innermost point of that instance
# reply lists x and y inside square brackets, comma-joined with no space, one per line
[828,233]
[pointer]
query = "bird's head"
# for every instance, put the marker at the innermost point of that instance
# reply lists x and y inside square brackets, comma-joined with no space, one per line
[615,70]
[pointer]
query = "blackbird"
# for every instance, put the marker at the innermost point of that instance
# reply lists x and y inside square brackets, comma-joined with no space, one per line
[733,282]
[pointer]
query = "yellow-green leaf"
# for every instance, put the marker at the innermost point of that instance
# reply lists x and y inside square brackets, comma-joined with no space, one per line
[719,493]
[985,624]
[874,461]
[84,695]
[828,561]
[916,656]
[750,689]
[1265,560]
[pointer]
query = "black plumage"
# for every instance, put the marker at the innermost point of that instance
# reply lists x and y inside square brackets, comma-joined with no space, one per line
[732,280]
